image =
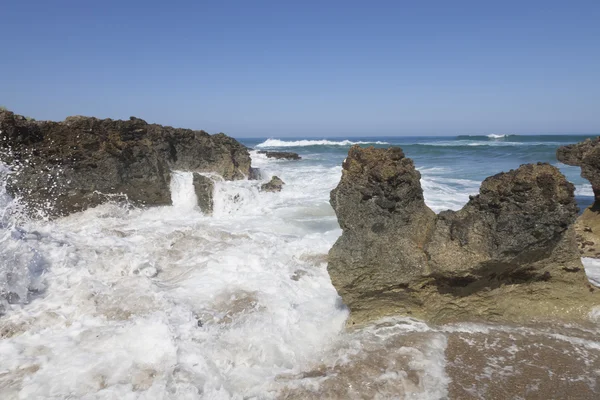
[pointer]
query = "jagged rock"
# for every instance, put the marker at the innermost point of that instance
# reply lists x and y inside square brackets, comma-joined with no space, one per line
[280,155]
[586,155]
[274,185]
[65,167]
[509,255]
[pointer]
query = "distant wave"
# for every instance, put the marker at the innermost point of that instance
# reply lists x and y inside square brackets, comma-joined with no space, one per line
[491,136]
[301,143]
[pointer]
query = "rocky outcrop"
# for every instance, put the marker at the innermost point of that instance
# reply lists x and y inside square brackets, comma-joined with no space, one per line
[586,155]
[274,185]
[508,255]
[280,155]
[68,166]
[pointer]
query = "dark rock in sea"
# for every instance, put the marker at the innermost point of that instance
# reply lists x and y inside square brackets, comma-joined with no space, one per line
[586,155]
[508,255]
[280,155]
[274,185]
[65,167]
[204,188]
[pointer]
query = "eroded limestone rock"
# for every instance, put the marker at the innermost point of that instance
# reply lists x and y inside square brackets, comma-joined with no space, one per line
[508,255]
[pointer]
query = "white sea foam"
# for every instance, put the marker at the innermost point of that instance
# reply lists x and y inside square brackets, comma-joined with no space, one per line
[584,189]
[592,270]
[442,193]
[302,143]
[183,195]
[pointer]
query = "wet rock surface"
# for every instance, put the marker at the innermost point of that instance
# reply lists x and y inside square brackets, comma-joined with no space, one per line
[274,185]
[204,188]
[280,155]
[510,254]
[69,166]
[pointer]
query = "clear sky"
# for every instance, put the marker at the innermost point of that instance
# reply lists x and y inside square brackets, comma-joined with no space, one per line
[308,68]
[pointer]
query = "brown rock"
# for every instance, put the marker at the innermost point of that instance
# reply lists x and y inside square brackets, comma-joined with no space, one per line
[509,254]
[65,167]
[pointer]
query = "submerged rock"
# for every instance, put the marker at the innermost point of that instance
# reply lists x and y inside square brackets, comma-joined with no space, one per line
[280,155]
[586,155]
[65,167]
[509,254]
[274,185]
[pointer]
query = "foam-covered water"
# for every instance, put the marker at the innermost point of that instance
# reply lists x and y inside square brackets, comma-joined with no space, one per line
[118,302]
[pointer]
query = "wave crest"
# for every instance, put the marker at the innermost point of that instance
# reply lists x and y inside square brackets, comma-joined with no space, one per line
[303,143]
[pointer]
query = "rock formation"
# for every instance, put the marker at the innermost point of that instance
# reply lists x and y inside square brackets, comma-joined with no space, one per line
[280,155]
[508,255]
[65,167]
[274,185]
[586,155]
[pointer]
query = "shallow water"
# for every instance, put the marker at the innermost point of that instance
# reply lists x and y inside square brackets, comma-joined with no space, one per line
[117,302]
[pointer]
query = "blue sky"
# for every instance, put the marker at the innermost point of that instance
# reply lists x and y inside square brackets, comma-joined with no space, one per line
[308,68]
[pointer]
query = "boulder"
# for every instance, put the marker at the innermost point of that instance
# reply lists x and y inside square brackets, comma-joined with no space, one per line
[65,167]
[508,255]
[274,185]
[280,155]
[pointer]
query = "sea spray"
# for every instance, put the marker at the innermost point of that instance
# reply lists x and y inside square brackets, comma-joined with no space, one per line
[183,194]
[21,264]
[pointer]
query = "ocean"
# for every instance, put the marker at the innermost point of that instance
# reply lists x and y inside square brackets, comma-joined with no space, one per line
[167,303]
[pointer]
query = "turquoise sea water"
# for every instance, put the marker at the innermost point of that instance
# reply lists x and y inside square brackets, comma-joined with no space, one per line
[452,167]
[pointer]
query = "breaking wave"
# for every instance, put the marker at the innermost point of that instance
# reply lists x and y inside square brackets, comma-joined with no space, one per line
[303,143]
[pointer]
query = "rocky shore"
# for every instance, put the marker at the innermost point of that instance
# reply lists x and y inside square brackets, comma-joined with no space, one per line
[510,254]
[69,166]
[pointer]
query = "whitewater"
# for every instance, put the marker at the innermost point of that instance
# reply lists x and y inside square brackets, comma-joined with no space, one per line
[167,303]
